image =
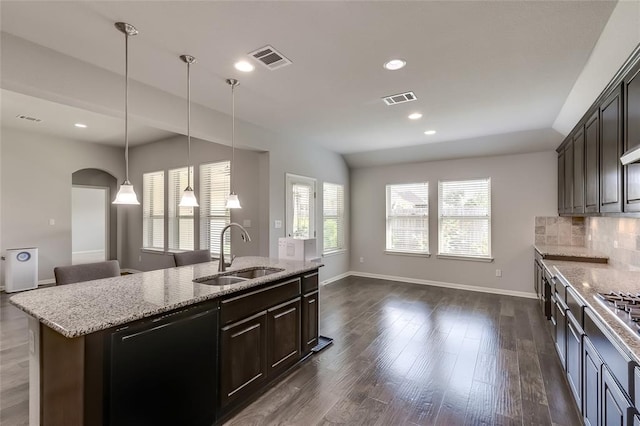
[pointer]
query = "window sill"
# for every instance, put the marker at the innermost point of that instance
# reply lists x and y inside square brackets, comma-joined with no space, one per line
[405,253]
[334,253]
[469,258]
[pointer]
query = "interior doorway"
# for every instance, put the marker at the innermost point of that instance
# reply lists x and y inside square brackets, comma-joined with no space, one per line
[89,224]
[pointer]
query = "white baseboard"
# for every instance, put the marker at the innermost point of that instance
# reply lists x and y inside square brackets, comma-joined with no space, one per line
[480,289]
[336,278]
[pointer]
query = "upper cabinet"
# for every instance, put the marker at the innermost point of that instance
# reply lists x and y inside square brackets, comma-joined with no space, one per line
[592,163]
[578,171]
[591,178]
[610,153]
[631,86]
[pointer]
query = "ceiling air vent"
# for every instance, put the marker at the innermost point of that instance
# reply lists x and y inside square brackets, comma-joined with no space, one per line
[400,98]
[28,118]
[270,58]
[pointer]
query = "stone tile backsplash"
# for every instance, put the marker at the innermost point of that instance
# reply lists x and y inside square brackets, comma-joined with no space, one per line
[618,238]
[560,231]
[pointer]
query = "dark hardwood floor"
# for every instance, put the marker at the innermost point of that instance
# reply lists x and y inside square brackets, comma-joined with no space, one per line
[403,354]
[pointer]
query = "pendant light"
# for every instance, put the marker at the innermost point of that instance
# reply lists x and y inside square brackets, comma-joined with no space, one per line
[188,196]
[232,201]
[126,194]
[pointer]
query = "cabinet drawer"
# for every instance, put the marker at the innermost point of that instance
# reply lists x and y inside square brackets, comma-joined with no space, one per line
[575,305]
[617,360]
[309,282]
[238,307]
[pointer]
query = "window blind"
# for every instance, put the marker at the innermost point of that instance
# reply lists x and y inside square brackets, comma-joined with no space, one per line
[408,218]
[181,233]
[214,216]
[302,196]
[464,222]
[333,217]
[153,210]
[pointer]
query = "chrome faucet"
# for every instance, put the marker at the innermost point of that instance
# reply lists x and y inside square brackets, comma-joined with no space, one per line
[245,238]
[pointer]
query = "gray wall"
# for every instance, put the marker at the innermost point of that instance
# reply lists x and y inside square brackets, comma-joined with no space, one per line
[522,187]
[36,180]
[172,153]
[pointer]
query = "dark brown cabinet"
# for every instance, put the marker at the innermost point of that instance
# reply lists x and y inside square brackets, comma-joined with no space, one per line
[592,161]
[610,152]
[310,312]
[283,331]
[574,358]
[632,138]
[578,171]
[561,209]
[592,366]
[616,408]
[560,316]
[568,178]
[243,357]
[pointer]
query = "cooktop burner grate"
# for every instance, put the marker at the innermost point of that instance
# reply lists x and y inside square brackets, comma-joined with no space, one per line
[624,306]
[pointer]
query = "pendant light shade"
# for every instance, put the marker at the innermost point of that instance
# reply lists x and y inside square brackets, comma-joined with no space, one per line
[126,194]
[188,196]
[232,201]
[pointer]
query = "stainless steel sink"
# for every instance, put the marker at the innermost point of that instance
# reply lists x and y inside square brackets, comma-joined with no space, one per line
[221,280]
[255,272]
[237,277]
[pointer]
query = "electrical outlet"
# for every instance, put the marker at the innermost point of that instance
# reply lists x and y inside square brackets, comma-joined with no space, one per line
[615,244]
[498,272]
[52,222]
[246,223]
[277,224]
[362,260]
[140,258]
[589,237]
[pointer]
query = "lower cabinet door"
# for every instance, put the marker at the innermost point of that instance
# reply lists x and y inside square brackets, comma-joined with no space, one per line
[592,366]
[243,357]
[283,330]
[309,322]
[574,359]
[616,408]
[561,333]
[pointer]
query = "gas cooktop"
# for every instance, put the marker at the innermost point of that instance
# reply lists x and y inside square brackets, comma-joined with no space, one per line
[624,306]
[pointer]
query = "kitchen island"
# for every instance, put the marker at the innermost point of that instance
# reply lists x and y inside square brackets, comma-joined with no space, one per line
[156,344]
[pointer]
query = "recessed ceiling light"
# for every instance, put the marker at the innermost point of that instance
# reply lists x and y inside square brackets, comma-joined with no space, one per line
[80,125]
[244,66]
[415,116]
[395,64]
[430,132]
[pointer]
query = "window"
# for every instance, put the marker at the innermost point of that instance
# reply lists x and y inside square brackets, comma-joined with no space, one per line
[333,217]
[180,219]
[214,216]
[408,218]
[464,219]
[300,206]
[153,210]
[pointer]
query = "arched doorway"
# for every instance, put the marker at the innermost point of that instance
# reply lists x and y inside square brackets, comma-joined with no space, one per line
[93,217]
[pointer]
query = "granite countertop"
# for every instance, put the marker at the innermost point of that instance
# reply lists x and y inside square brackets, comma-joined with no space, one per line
[591,278]
[78,309]
[569,251]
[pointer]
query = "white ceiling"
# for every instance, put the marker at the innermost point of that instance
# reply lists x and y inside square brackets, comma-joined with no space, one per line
[478,68]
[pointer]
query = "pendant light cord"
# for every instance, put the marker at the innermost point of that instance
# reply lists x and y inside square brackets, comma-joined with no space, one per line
[188,125]
[126,106]
[233,134]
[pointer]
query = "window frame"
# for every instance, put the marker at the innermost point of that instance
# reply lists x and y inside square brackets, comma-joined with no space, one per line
[205,242]
[177,218]
[339,217]
[426,217]
[479,258]
[148,220]
[290,181]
